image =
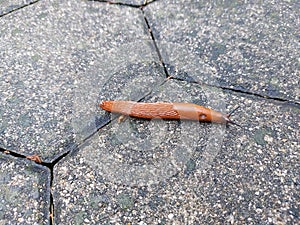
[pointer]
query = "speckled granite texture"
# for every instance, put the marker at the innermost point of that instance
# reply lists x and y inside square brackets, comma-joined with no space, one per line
[60,59]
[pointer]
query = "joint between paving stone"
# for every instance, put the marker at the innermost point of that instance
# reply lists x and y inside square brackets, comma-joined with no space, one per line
[156,46]
[145,3]
[240,91]
[18,8]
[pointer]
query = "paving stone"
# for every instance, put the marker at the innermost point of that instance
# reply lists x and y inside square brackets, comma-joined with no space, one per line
[125,173]
[133,153]
[258,174]
[251,47]
[146,135]
[60,59]
[25,191]
[46,50]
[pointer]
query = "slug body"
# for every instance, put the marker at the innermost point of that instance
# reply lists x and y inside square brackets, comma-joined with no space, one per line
[164,110]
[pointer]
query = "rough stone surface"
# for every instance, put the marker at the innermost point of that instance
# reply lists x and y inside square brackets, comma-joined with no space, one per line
[47,50]
[245,46]
[60,59]
[251,176]
[25,193]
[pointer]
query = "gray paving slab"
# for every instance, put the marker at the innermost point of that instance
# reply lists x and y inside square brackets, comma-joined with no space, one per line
[7,6]
[47,49]
[59,59]
[165,172]
[25,191]
[247,46]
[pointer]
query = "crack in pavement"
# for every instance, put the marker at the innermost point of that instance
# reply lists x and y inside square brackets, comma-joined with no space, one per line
[246,92]
[106,120]
[231,89]
[125,4]
[18,8]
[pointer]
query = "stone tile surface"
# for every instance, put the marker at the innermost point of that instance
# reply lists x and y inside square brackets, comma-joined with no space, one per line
[204,174]
[25,192]
[47,49]
[60,59]
[252,47]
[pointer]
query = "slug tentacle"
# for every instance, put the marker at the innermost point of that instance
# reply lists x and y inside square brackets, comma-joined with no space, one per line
[228,117]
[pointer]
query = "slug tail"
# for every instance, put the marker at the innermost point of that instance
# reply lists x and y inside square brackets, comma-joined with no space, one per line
[232,111]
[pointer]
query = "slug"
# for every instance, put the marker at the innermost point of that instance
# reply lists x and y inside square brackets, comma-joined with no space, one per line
[164,110]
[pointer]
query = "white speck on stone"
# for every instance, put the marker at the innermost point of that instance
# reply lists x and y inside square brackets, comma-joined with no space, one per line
[231,219]
[170,216]
[20,220]
[268,139]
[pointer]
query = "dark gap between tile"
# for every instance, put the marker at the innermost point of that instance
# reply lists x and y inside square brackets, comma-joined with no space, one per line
[18,8]
[122,3]
[236,90]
